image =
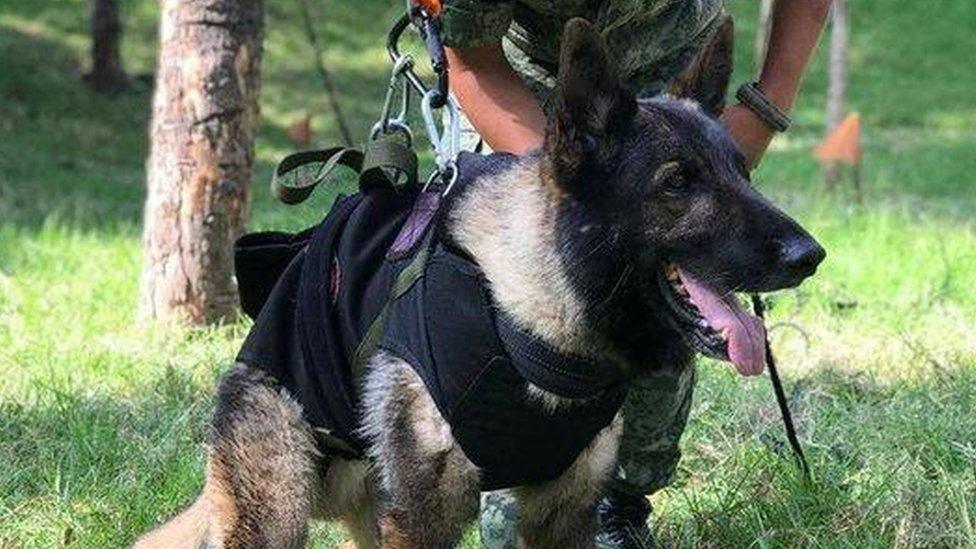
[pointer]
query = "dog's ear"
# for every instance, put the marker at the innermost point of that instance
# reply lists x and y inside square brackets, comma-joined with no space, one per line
[706,78]
[592,108]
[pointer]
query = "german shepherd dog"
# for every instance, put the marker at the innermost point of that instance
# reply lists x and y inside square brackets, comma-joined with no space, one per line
[668,180]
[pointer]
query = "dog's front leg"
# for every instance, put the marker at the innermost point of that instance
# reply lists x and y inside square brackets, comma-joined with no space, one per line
[429,488]
[562,513]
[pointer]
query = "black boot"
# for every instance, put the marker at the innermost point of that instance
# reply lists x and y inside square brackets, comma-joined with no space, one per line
[623,522]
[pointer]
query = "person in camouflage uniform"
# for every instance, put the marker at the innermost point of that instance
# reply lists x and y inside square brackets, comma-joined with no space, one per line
[504,56]
[651,40]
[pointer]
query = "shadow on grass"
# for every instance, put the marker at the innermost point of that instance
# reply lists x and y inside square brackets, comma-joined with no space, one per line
[65,152]
[100,466]
[77,159]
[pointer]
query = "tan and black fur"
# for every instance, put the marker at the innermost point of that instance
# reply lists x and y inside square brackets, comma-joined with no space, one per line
[266,478]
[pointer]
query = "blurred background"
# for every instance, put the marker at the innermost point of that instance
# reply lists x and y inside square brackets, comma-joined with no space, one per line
[103,413]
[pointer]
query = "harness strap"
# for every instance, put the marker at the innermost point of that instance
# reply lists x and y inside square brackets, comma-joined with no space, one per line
[569,376]
[297,175]
[410,274]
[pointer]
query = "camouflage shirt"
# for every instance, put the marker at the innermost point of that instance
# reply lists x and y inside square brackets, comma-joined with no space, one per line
[652,40]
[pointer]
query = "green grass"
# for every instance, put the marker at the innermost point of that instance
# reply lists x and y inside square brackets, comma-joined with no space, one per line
[102,420]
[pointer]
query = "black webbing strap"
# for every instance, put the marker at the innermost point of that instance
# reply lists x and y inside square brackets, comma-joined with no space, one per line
[566,375]
[784,408]
[384,163]
[404,281]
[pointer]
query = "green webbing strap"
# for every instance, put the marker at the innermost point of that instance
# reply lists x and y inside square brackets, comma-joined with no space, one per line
[298,174]
[387,162]
[404,281]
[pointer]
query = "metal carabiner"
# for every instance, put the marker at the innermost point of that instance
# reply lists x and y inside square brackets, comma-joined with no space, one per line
[425,22]
[446,143]
[386,124]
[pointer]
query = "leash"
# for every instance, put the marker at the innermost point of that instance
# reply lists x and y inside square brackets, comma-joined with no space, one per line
[760,310]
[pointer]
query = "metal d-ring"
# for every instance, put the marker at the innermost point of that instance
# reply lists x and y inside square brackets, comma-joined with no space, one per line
[393,126]
[439,174]
[452,166]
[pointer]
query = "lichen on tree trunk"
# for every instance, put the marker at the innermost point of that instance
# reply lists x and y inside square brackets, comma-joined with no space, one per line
[205,112]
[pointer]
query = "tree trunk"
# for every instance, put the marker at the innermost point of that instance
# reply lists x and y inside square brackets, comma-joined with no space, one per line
[202,147]
[107,75]
[763,28]
[836,79]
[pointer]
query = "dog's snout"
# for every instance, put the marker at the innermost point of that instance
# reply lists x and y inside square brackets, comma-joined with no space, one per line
[800,255]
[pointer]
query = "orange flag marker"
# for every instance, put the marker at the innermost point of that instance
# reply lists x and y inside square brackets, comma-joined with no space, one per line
[432,7]
[843,144]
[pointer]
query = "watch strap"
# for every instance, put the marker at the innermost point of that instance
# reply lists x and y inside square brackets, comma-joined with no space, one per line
[753,98]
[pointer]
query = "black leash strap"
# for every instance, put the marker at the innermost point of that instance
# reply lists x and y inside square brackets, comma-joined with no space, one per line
[784,408]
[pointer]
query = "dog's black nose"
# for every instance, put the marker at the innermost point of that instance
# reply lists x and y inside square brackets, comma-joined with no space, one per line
[800,255]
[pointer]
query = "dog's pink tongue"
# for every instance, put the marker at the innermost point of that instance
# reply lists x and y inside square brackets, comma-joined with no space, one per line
[744,332]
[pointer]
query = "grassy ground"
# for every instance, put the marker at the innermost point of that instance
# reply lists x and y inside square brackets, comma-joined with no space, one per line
[101,421]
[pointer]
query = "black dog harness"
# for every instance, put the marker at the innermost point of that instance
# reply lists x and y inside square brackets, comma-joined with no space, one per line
[380,273]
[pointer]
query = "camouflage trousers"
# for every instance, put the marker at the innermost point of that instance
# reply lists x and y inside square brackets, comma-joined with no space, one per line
[654,414]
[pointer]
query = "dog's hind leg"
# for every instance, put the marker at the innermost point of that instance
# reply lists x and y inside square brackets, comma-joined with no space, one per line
[429,488]
[262,474]
[562,513]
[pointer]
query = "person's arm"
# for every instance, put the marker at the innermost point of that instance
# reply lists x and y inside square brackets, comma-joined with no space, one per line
[796,27]
[494,98]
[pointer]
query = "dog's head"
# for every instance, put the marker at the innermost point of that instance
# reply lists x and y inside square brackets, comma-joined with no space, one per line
[668,177]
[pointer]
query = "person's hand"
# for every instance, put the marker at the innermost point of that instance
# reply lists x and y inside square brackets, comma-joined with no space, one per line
[749,131]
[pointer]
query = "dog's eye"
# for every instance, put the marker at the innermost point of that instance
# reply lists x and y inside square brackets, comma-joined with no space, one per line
[672,179]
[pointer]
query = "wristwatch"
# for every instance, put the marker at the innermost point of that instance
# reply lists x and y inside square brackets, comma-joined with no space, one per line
[753,98]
